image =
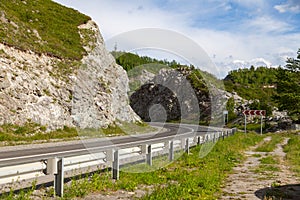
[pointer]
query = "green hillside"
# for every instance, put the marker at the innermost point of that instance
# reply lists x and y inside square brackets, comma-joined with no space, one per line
[42,26]
[259,83]
[134,64]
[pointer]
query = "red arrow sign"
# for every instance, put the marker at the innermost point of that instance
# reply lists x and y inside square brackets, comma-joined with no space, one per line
[255,112]
[258,112]
[246,112]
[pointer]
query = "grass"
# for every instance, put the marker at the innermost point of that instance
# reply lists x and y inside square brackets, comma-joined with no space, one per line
[252,127]
[268,160]
[21,195]
[31,132]
[42,26]
[292,150]
[46,27]
[269,146]
[263,168]
[189,177]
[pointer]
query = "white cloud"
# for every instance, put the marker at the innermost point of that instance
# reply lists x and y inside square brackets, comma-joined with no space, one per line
[266,24]
[258,37]
[291,6]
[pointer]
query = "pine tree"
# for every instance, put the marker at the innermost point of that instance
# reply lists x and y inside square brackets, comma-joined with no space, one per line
[288,87]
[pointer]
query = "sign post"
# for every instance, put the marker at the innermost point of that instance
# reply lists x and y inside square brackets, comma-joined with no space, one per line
[245,123]
[260,113]
[261,124]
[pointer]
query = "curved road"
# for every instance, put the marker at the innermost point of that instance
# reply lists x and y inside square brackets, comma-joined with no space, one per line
[30,154]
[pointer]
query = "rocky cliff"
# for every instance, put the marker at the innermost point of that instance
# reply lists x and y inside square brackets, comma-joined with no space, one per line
[45,89]
[171,96]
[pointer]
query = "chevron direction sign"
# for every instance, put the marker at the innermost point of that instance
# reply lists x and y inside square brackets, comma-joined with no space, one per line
[255,112]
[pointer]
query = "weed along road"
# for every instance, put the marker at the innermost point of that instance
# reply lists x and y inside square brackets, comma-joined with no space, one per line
[33,153]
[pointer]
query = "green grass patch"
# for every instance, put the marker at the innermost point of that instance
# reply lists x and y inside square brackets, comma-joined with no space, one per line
[31,132]
[266,168]
[189,177]
[292,150]
[252,127]
[256,155]
[42,26]
[269,160]
[269,146]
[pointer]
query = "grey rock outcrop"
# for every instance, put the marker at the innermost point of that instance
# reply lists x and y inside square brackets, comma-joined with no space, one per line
[169,96]
[95,95]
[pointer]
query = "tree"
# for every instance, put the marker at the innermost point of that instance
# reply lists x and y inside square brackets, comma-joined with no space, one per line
[288,87]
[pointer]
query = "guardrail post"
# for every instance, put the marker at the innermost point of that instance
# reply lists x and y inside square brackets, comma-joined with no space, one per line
[59,178]
[234,131]
[187,145]
[110,156]
[223,135]
[149,155]
[171,151]
[116,165]
[199,140]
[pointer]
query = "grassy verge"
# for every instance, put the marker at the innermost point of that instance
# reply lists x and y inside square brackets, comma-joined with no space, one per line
[269,146]
[292,150]
[189,177]
[31,132]
[42,26]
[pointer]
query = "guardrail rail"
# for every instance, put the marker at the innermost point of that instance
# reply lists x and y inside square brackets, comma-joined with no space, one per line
[58,167]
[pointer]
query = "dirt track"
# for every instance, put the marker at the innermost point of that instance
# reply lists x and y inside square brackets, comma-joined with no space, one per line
[247,183]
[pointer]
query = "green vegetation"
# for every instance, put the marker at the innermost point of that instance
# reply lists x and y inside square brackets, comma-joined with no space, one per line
[253,127]
[252,83]
[230,108]
[259,83]
[134,64]
[292,150]
[13,134]
[42,26]
[22,195]
[288,87]
[189,177]
[266,168]
[268,160]
[256,155]
[129,61]
[269,146]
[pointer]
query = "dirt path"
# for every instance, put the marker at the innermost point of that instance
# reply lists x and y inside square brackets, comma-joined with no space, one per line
[249,182]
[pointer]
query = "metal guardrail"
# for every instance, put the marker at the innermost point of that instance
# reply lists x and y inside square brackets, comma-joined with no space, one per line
[110,158]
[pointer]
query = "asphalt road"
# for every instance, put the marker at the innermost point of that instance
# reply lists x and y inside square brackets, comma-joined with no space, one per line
[32,153]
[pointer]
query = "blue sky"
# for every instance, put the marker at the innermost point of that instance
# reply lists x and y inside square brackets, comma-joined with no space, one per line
[234,33]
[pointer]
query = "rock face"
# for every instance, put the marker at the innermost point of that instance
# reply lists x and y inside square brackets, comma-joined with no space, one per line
[169,96]
[92,95]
